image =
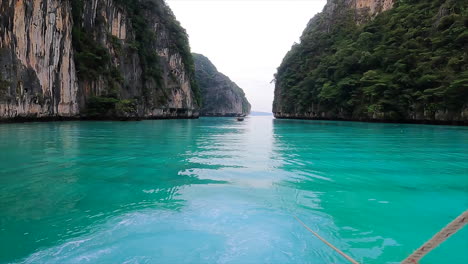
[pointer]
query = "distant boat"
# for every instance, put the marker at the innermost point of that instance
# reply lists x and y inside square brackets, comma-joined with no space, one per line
[240,118]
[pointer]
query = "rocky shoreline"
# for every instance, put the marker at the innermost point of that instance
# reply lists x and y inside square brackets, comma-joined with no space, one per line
[420,122]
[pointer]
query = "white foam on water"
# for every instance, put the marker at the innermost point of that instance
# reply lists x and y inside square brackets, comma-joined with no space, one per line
[225,232]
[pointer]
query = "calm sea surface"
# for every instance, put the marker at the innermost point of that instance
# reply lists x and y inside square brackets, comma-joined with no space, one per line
[215,190]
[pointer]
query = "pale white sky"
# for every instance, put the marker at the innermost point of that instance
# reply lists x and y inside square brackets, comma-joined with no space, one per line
[246,39]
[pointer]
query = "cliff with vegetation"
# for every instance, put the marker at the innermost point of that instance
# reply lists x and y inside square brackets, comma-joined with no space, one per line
[94,59]
[220,96]
[379,60]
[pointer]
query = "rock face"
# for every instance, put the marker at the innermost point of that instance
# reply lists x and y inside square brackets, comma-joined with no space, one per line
[378,60]
[94,58]
[37,71]
[220,96]
[361,10]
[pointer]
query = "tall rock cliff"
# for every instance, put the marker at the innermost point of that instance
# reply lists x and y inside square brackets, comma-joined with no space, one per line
[220,96]
[379,60]
[94,58]
[37,70]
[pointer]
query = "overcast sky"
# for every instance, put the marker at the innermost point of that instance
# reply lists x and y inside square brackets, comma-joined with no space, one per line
[246,39]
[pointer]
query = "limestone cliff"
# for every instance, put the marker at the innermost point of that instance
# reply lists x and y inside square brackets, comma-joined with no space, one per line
[220,96]
[360,10]
[37,70]
[379,60]
[94,58]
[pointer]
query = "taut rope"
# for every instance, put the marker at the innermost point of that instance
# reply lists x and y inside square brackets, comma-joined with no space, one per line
[436,240]
[326,242]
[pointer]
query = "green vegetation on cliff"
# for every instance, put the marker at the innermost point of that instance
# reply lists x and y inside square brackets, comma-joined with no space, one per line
[93,59]
[106,107]
[3,87]
[221,96]
[407,63]
[145,37]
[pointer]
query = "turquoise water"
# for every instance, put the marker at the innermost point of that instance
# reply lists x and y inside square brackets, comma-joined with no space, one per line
[221,191]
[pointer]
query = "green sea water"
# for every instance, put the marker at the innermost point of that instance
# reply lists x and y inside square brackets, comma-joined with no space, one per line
[215,190]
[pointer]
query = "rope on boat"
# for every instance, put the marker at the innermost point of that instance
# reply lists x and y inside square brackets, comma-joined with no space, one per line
[326,242]
[436,240]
